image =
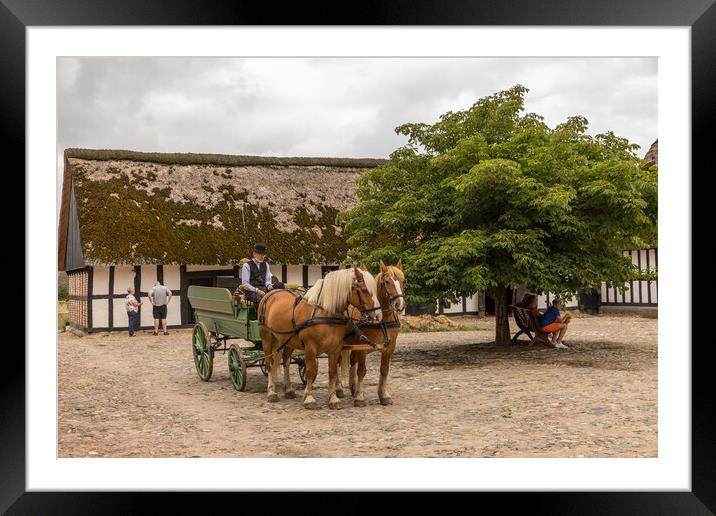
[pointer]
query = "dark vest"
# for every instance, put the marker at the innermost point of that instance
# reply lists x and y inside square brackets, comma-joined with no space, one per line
[257,275]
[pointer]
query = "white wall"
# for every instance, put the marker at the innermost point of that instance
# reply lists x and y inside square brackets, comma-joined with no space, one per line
[145,316]
[100,313]
[100,281]
[294,274]
[149,276]
[119,314]
[472,303]
[174,311]
[654,286]
[453,308]
[123,278]
[172,277]
[314,274]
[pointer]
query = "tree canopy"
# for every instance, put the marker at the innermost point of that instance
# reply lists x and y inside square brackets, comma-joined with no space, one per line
[491,197]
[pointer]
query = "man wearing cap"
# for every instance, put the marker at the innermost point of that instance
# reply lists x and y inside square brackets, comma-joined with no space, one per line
[256,275]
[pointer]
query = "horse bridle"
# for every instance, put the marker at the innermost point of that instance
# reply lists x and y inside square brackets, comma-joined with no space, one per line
[363,310]
[357,328]
[384,287]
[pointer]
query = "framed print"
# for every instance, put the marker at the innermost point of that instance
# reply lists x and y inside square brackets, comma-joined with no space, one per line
[419,249]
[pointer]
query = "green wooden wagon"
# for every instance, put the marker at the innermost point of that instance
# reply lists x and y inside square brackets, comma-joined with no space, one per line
[220,318]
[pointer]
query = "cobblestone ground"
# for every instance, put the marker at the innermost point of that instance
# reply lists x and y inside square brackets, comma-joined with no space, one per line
[456,395]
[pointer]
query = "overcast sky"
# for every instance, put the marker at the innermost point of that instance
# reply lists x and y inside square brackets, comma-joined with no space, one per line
[329,107]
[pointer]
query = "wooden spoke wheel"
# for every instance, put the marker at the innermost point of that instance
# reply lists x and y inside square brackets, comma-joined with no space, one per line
[302,368]
[237,367]
[202,350]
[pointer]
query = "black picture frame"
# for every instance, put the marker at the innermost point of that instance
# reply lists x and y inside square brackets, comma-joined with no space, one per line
[16,15]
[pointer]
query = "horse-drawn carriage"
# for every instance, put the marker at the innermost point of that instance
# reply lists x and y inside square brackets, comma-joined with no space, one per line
[297,328]
[220,318]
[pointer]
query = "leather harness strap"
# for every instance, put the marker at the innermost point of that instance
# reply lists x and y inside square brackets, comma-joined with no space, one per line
[313,320]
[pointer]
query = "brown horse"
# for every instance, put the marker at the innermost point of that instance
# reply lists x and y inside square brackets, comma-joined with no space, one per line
[389,284]
[314,323]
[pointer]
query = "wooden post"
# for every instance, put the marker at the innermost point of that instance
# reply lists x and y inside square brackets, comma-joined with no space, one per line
[182,290]
[110,300]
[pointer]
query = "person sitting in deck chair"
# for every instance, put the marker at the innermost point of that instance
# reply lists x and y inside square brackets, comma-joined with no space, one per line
[256,276]
[553,322]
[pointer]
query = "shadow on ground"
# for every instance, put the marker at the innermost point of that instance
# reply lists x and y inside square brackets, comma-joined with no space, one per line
[598,355]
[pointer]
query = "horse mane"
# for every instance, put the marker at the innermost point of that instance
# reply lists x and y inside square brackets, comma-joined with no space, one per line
[333,291]
[397,272]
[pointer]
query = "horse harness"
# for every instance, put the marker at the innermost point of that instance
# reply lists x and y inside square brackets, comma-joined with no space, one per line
[382,324]
[357,330]
[313,320]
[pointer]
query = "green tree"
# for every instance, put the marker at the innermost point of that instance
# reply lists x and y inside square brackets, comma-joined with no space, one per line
[490,198]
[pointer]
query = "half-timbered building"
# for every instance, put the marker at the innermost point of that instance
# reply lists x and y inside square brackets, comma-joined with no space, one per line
[130,218]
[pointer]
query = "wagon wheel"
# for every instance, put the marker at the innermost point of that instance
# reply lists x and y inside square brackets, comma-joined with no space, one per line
[237,367]
[302,368]
[203,352]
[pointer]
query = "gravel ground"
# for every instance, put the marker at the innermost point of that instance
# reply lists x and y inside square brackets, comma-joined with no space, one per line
[456,395]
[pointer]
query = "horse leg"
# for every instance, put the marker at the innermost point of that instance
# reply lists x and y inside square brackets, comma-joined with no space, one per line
[309,356]
[333,401]
[385,398]
[359,397]
[273,371]
[288,391]
[268,340]
[344,361]
[354,372]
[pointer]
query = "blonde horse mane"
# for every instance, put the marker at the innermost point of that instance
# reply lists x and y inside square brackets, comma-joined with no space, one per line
[333,291]
[397,272]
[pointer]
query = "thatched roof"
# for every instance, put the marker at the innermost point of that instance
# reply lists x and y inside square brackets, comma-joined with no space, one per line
[131,207]
[652,155]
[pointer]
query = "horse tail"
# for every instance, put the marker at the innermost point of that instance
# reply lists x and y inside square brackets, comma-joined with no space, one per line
[345,364]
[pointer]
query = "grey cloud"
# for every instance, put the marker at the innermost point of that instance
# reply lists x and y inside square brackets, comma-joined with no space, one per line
[329,106]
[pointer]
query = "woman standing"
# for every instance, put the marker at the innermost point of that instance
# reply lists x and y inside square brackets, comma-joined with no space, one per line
[132,311]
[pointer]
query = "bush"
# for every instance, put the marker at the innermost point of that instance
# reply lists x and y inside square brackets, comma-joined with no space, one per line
[63,292]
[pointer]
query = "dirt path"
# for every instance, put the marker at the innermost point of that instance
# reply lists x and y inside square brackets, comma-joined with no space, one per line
[455,395]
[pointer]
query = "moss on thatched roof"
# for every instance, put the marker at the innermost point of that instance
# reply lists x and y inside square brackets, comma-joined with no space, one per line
[207,208]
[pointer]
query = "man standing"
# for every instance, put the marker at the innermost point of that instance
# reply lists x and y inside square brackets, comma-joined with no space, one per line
[160,296]
[256,275]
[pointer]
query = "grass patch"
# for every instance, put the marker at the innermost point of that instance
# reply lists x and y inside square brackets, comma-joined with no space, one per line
[63,316]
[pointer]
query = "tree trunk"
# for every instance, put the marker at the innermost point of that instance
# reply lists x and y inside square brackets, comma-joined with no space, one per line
[502,323]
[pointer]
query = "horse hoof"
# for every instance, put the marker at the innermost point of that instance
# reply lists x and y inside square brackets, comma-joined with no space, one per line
[289,395]
[359,403]
[312,405]
[340,394]
[335,406]
[386,401]
[273,397]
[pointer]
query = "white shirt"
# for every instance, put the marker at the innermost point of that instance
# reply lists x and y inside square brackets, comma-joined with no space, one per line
[246,274]
[131,307]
